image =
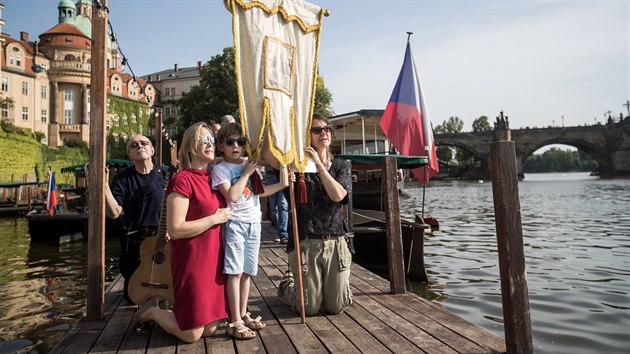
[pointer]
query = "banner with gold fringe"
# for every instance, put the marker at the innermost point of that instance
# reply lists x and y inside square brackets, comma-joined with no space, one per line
[276,45]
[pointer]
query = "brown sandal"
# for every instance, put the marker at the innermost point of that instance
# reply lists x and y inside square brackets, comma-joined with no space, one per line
[238,330]
[254,324]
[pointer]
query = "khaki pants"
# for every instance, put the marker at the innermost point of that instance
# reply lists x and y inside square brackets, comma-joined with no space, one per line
[325,275]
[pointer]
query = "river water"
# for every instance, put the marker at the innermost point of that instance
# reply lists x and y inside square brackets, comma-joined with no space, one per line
[576,235]
[576,231]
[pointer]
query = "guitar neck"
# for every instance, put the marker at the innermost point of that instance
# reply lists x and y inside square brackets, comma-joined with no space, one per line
[161,235]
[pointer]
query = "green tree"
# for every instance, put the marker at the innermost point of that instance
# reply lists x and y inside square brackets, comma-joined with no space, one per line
[481,124]
[558,160]
[217,94]
[323,98]
[452,125]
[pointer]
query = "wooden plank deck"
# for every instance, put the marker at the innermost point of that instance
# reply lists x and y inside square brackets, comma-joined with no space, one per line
[377,322]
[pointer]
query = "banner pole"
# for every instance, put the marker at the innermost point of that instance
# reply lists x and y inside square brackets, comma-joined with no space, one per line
[298,255]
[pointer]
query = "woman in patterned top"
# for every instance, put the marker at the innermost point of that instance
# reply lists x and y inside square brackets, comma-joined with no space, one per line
[324,249]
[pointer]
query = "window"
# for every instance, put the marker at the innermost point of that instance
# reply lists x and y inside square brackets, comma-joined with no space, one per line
[15,60]
[44,116]
[116,120]
[44,92]
[5,84]
[68,106]
[167,112]
[4,113]
[67,95]
[133,118]
[25,88]
[172,91]
[68,116]
[24,113]
[167,91]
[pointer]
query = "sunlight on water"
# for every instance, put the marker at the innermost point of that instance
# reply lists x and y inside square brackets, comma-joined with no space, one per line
[43,289]
[576,231]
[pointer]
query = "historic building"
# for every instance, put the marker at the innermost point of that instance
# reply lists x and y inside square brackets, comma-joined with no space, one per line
[172,84]
[47,82]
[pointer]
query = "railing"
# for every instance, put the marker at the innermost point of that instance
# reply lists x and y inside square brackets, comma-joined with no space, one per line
[70,128]
[72,65]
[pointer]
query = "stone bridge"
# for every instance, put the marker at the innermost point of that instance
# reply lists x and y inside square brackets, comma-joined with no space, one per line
[608,144]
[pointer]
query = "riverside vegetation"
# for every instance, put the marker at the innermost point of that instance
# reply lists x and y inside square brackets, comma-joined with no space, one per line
[22,153]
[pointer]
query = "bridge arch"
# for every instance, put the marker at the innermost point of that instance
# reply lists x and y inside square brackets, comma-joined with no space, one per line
[608,145]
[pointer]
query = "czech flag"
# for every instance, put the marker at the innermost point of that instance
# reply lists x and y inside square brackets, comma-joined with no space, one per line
[51,201]
[406,122]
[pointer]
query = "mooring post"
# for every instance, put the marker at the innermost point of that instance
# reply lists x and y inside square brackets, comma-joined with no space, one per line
[395,258]
[507,211]
[96,187]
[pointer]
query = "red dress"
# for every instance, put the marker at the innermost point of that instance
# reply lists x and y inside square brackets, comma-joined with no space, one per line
[197,262]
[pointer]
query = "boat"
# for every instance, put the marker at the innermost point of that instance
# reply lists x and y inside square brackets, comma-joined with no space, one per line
[70,221]
[367,217]
[18,198]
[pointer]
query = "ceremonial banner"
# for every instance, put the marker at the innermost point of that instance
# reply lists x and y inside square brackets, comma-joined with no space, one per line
[406,122]
[276,45]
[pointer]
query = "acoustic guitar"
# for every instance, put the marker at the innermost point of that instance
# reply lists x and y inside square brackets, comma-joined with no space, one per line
[153,277]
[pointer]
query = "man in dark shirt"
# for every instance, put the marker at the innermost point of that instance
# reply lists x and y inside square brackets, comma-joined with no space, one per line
[135,196]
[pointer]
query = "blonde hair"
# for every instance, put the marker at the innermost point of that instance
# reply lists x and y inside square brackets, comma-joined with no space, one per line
[189,143]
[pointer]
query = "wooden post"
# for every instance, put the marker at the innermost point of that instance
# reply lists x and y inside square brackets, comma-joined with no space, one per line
[158,135]
[298,254]
[416,269]
[395,256]
[507,211]
[96,216]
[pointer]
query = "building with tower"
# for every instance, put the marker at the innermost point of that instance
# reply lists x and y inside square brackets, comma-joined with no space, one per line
[47,82]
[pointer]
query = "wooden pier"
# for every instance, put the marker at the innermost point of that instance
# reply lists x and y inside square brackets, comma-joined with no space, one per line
[377,322]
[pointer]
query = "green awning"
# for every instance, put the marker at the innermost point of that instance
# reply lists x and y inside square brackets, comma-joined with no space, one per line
[110,163]
[377,159]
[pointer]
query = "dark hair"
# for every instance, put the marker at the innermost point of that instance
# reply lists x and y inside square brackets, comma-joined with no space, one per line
[228,130]
[332,132]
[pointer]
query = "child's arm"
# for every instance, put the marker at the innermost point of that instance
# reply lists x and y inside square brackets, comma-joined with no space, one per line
[276,187]
[232,192]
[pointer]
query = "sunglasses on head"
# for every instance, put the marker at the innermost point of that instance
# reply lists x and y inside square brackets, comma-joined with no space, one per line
[238,141]
[318,130]
[204,140]
[137,144]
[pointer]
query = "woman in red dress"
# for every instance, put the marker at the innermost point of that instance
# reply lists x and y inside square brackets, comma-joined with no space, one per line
[194,216]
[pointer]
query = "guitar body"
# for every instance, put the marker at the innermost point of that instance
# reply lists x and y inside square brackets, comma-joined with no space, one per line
[153,277]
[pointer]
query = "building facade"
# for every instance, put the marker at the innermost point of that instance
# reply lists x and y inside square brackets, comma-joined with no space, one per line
[171,84]
[48,82]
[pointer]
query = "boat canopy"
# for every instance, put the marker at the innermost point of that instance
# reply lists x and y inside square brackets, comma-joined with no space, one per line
[377,159]
[110,163]
[19,184]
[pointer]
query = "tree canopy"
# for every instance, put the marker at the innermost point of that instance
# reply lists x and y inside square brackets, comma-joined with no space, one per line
[217,94]
[481,124]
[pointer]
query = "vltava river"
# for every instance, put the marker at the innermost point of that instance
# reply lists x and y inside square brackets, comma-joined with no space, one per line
[576,232]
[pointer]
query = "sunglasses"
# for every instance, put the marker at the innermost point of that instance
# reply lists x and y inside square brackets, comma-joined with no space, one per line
[137,144]
[238,141]
[204,140]
[319,130]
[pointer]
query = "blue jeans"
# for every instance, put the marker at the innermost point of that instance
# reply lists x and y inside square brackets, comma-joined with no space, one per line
[278,205]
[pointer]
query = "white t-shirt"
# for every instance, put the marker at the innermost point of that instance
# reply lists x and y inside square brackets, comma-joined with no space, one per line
[247,206]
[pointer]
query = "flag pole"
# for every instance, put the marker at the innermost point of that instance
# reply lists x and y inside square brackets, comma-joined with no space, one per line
[298,255]
[426,180]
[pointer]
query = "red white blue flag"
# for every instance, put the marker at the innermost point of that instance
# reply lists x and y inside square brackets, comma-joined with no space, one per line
[406,122]
[51,201]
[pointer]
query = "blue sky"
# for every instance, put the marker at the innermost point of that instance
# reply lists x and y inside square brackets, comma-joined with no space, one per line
[538,61]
